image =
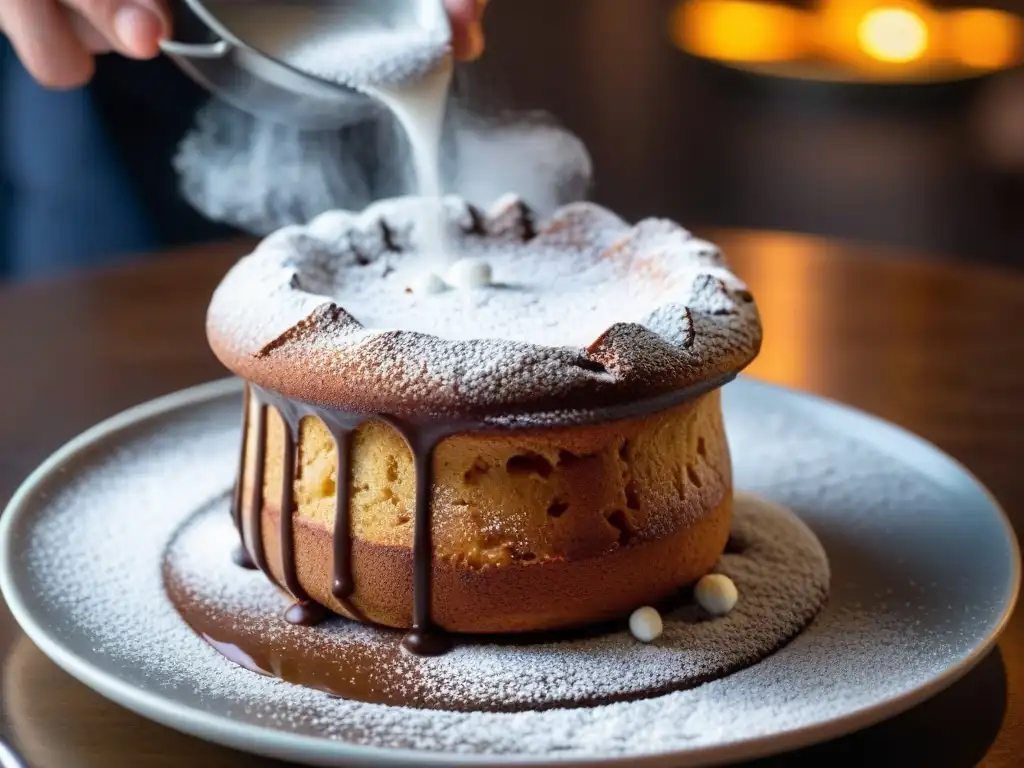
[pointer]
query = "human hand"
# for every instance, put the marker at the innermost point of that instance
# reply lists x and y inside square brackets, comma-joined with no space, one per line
[467,27]
[57,39]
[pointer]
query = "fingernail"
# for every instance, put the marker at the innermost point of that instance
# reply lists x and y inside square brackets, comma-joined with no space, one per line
[139,30]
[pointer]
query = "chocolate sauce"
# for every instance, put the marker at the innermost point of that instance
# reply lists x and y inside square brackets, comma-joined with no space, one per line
[241,556]
[239,616]
[423,436]
[342,584]
[306,613]
[255,513]
[369,664]
[423,639]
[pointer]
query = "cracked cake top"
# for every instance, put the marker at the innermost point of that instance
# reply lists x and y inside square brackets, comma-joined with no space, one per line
[582,311]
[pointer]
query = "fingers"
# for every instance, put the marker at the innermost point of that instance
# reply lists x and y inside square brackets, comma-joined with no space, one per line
[55,41]
[91,38]
[467,28]
[133,27]
[42,35]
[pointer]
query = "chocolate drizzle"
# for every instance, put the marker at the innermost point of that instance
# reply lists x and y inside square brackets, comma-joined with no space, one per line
[255,516]
[241,554]
[423,437]
[240,557]
[342,585]
[423,639]
[305,611]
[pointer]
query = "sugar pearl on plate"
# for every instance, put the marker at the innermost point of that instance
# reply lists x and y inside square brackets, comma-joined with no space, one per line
[645,624]
[467,274]
[428,284]
[716,594]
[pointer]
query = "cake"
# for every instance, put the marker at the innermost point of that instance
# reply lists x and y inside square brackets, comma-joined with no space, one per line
[539,453]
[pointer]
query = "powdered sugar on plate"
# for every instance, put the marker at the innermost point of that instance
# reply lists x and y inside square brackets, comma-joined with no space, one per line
[782,574]
[88,546]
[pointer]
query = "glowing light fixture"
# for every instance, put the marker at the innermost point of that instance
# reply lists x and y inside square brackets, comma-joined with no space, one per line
[895,35]
[862,40]
[985,39]
[738,30]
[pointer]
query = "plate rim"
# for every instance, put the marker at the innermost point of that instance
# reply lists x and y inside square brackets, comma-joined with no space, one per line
[266,741]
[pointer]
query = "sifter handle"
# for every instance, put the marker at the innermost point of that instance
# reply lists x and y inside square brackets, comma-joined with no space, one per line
[215,50]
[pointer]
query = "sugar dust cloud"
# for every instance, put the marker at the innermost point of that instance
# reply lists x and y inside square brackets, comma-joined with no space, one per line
[259,176]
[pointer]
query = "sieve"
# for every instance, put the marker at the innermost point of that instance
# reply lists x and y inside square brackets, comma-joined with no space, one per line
[207,49]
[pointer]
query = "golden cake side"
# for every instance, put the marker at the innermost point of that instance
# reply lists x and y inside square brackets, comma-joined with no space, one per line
[532,529]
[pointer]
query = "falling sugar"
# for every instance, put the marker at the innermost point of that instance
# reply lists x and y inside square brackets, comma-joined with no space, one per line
[420,109]
[260,176]
[403,63]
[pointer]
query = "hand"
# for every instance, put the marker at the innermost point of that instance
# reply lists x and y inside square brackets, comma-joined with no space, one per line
[57,39]
[467,27]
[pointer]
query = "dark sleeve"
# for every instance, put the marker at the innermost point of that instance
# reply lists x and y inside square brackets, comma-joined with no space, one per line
[146,108]
[65,200]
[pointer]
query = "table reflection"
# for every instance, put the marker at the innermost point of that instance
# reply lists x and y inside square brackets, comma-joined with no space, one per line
[55,722]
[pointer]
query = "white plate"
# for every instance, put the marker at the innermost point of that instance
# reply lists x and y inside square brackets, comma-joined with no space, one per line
[925,573]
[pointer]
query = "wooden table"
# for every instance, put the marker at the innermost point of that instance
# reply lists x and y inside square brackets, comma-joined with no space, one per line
[934,347]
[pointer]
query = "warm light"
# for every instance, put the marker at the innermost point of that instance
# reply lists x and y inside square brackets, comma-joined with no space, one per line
[782,269]
[737,30]
[908,41]
[895,35]
[984,39]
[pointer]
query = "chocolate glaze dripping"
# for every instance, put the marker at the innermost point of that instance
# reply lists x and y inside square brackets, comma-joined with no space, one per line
[424,639]
[241,554]
[255,527]
[342,583]
[240,557]
[305,611]
[423,437]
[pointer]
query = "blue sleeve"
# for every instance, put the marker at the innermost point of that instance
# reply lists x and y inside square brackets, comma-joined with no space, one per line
[66,199]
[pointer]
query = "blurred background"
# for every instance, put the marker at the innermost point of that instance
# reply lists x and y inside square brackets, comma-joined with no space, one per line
[876,121]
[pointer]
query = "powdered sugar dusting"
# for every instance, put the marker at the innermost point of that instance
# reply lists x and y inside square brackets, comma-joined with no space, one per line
[91,553]
[584,272]
[645,307]
[782,574]
[340,42]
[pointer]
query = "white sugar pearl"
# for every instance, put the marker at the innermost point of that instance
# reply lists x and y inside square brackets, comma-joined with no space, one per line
[467,274]
[428,284]
[645,624]
[716,594]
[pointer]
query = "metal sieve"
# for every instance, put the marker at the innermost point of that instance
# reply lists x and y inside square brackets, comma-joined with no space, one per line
[253,80]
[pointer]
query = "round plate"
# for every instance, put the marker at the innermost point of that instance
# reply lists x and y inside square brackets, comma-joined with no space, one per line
[925,573]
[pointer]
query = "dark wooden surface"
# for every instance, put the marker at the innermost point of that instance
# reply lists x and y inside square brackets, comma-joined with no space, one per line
[934,347]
